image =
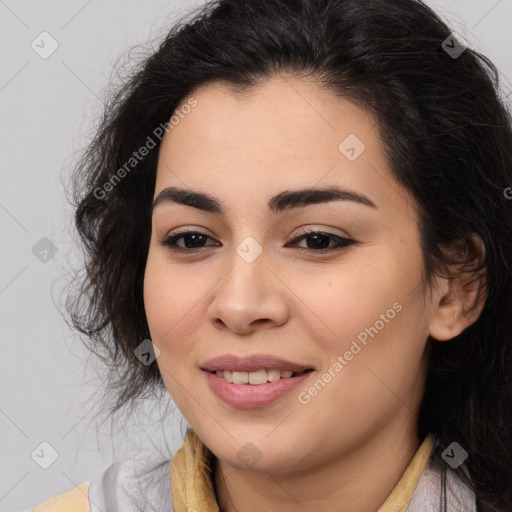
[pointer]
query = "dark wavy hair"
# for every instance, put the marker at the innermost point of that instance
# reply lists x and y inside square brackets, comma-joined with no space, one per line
[448,139]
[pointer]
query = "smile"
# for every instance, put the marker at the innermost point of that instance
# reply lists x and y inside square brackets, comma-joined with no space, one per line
[245,395]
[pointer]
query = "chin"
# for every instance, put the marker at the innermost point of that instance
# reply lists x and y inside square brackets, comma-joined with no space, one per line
[262,457]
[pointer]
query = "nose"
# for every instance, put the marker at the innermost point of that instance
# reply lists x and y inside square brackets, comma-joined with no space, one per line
[250,296]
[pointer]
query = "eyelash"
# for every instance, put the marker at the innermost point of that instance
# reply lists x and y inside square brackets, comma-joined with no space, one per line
[342,242]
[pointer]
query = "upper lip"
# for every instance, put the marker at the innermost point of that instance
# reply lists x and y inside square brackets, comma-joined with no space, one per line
[254,362]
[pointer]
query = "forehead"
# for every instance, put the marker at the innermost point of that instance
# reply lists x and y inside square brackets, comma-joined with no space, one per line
[285,133]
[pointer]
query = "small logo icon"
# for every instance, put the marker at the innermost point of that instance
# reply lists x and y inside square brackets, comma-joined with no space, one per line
[454,455]
[44,250]
[44,45]
[454,46]
[44,455]
[249,249]
[249,455]
[352,147]
[147,352]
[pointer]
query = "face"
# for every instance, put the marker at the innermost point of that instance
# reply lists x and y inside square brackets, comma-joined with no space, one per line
[347,303]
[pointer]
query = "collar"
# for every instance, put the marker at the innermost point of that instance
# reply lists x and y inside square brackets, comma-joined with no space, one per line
[192,485]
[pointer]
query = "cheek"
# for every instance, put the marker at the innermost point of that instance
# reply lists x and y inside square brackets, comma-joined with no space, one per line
[370,367]
[172,305]
[169,304]
[341,302]
[169,295]
[371,314]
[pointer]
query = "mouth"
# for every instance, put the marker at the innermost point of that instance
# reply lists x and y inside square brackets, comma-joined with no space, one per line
[253,380]
[244,390]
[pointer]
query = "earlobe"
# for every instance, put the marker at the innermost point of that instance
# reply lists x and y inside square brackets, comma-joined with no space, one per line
[459,300]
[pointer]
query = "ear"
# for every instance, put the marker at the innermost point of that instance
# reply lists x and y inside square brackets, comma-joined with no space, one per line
[459,298]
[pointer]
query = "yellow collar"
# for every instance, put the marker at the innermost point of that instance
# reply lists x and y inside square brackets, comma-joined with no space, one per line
[192,486]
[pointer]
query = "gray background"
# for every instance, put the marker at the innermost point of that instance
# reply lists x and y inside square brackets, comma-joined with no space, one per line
[48,108]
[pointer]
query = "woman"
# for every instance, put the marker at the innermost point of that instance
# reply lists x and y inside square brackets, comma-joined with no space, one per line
[296,219]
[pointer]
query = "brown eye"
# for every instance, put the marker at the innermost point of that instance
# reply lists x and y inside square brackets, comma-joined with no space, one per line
[321,240]
[193,240]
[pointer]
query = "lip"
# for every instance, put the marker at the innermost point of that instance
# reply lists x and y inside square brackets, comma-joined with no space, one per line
[251,363]
[246,396]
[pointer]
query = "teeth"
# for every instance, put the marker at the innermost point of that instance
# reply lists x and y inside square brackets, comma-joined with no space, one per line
[257,377]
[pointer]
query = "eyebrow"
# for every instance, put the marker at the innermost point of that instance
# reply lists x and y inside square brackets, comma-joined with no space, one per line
[286,200]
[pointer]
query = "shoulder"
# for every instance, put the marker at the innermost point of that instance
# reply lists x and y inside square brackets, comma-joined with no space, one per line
[132,486]
[76,499]
[124,485]
[440,483]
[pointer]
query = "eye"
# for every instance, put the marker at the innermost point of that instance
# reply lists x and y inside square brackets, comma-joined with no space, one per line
[321,238]
[191,237]
[197,240]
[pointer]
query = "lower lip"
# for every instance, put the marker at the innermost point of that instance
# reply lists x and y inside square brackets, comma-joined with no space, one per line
[250,395]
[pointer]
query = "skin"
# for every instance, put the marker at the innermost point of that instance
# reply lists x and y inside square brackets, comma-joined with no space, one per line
[308,307]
